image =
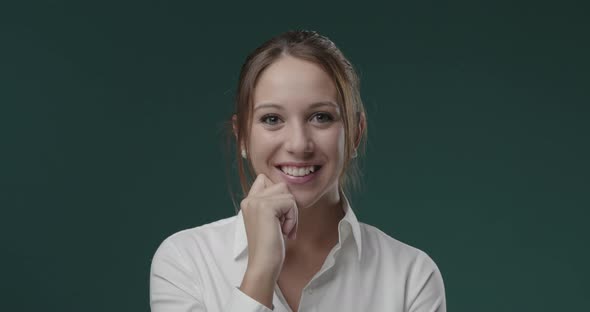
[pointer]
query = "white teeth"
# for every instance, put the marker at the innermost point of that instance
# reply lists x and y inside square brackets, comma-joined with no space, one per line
[297,172]
[300,172]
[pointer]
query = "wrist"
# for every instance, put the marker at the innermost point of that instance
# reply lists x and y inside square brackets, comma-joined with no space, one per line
[261,276]
[259,286]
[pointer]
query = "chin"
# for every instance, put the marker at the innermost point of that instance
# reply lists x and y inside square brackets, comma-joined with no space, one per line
[304,200]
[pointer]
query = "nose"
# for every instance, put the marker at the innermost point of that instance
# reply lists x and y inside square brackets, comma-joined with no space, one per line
[299,140]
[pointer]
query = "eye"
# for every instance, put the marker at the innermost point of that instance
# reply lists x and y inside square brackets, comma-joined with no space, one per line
[323,117]
[270,119]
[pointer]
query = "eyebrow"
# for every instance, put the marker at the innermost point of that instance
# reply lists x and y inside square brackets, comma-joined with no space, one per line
[313,105]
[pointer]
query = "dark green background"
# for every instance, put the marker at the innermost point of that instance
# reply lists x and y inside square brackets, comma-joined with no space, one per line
[111,138]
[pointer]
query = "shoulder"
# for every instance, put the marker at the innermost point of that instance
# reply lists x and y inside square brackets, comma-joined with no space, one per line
[406,265]
[180,263]
[197,241]
[410,259]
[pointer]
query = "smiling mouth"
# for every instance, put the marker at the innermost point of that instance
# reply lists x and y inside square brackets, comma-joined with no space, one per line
[299,171]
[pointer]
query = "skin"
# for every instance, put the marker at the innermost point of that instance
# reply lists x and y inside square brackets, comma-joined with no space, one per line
[292,129]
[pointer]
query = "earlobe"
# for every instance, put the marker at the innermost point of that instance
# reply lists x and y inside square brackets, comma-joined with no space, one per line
[234,122]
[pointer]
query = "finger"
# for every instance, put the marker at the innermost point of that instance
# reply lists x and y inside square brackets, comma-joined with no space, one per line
[267,182]
[258,185]
[279,188]
[291,222]
[287,214]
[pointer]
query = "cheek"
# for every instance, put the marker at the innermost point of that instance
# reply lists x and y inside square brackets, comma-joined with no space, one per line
[262,140]
[339,139]
[333,143]
[262,144]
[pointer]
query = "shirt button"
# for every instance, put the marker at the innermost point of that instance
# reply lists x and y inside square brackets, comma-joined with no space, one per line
[310,291]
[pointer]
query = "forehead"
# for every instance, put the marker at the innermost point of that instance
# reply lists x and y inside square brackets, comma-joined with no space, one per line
[291,81]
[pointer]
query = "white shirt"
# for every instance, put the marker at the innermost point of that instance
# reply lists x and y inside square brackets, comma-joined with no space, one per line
[201,269]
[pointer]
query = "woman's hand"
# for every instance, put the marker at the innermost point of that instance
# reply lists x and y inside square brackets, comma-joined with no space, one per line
[270,215]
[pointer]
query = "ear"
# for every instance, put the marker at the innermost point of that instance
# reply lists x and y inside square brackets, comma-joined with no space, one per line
[234,124]
[361,129]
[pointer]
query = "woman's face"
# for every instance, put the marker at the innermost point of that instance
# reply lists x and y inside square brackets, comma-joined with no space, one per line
[297,134]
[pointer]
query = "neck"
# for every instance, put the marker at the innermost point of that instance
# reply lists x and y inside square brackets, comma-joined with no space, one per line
[317,227]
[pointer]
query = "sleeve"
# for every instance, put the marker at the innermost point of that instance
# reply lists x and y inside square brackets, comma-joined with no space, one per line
[426,291]
[176,288]
[241,302]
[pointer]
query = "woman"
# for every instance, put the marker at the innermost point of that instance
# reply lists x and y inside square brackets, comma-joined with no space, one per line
[295,244]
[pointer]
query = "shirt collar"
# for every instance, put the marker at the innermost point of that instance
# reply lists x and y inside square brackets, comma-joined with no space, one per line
[348,222]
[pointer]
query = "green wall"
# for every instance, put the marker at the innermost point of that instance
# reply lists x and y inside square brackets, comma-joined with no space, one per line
[111,139]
